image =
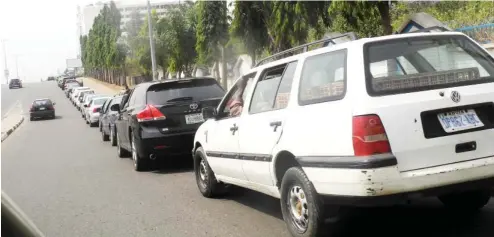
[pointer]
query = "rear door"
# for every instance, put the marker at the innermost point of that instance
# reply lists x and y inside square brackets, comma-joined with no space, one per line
[435,97]
[181,103]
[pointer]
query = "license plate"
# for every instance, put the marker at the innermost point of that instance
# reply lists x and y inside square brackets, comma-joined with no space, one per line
[459,120]
[194,118]
[42,108]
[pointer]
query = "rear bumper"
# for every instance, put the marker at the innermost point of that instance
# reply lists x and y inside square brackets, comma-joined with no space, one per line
[386,185]
[42,114]
[170,144]
[93,118]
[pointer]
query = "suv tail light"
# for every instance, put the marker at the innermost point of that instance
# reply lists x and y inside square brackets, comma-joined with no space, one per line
[369,136]
[95,110]
[150,113]
[50,107]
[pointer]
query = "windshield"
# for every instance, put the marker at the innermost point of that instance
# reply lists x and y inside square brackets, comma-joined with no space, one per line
[425,63]
[99,101]
[190,90]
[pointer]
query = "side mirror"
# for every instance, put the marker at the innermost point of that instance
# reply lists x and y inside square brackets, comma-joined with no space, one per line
[85,106]
[115,107]
[53,103]
[209,112]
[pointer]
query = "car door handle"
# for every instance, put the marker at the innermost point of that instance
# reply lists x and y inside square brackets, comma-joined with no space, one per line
[234,129]
[275,125]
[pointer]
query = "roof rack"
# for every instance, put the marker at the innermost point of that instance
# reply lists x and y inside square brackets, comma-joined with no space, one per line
[430,29]
[305,47]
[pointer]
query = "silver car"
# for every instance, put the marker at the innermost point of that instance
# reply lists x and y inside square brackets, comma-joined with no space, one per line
[93,110]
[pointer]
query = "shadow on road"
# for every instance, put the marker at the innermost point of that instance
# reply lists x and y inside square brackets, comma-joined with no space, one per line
[424,217]
[173,164]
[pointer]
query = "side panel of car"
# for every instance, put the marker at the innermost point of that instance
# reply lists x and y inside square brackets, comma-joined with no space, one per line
[263,120]
[123,124]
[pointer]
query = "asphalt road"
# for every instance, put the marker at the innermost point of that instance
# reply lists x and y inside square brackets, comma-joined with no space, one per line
[72,184]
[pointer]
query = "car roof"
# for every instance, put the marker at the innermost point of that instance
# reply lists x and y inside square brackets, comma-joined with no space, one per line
[151,83]
[42,99]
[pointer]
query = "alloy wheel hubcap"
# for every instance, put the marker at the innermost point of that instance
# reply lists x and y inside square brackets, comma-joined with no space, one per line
[298,207]
[134,153]
[202,171]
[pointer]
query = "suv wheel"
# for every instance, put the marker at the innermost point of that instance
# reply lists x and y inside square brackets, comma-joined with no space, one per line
[113,139]
[205,178]
[140,164]
[302,209]
[122,153]
[468,201]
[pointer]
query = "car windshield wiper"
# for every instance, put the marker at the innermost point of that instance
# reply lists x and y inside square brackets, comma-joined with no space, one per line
[185,98]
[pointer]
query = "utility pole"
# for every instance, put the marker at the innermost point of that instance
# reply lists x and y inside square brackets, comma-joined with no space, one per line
[16,66]
[151,42]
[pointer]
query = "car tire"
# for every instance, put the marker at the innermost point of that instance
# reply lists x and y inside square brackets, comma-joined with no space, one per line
[113,139]
[140,163]
[122,153]
[104,137]
[469,201]
[302,209]
[205,178]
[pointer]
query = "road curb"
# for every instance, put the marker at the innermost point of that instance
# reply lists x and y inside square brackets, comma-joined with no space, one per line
[11,130]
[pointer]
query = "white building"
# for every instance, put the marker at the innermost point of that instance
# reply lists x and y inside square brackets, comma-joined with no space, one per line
[86,14]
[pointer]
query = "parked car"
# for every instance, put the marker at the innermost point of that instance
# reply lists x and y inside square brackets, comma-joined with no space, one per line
[81,98]
[108,116]
[76,92]
[69,89]
[15,83]
[159,119]
[363,123]
[85,103]
[42,108]
[93,110]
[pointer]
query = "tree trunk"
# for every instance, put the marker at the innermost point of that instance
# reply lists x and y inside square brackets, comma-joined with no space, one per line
[253,57]
[385,18]
[224,79]
[217,71]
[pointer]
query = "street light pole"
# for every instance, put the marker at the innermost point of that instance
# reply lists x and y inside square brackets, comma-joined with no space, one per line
[16,66]
[6,71]
[151,42]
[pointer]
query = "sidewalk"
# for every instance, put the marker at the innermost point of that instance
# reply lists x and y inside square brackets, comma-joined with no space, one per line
[101,87]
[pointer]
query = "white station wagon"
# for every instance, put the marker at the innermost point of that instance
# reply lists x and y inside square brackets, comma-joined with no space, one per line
[369,122]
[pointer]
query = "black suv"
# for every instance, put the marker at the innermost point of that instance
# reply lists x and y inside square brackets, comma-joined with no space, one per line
[159,119]
[15,83]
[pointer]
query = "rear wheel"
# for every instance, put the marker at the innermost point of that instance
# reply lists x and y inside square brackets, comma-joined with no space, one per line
[469,201]
[122,153]
[104,137]
[205,178]
[302,209]
[140,164]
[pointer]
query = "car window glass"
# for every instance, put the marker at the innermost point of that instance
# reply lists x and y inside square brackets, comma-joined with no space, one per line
[105,105]
[185,90]
[42,102]
[125,101]
[233,103]
[265,91]
[323,78]
[283,94]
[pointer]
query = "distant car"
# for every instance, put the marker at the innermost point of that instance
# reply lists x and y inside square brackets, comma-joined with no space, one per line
[87,99]
[15,83]
[70,87]
[75,93]
[80,98]
[108,115]
[42,108]
[93,110]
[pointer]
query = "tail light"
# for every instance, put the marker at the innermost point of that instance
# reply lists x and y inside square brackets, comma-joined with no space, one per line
[150,113]
[50,107]
[31,109]
[369,136]
[96,110]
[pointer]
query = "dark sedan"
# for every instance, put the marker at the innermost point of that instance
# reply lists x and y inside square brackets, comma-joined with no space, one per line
[15,83]
[42,108]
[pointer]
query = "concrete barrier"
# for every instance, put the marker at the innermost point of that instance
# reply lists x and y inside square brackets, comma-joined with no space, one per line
[12,120]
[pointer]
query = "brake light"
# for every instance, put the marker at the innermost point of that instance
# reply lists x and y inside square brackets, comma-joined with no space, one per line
[150,113]
[369,136]
[50,107]
[95,110]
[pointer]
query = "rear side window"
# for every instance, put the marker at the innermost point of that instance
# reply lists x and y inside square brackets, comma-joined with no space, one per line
[323,78]
[425,63]
[186,90]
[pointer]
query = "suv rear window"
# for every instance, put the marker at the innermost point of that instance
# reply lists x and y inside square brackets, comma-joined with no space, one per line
[14,80]
[425,63]
[186,90]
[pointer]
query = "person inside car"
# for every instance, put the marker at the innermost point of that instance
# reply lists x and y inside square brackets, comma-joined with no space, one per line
[236,104]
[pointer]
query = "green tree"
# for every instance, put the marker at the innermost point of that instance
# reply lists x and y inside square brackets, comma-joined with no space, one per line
[212,34]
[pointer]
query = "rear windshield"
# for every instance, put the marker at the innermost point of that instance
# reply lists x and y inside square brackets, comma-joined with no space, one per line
[425,63]
[42,102]
[15,80]
[187,90]
[99,101]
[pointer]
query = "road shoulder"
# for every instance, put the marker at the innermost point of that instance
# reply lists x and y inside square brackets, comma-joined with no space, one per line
[12,120]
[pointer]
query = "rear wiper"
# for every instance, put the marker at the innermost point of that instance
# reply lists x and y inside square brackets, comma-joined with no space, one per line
[185,98]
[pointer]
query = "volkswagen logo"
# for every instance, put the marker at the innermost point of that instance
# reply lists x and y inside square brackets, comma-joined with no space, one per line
[455,96]
[193,106]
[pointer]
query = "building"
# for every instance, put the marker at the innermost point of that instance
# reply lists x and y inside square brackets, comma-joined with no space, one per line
[87,14]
